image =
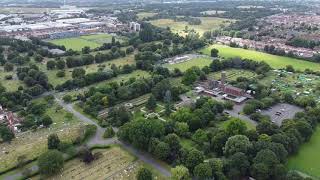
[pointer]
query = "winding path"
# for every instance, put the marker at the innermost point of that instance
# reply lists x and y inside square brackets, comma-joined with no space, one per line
[98,139]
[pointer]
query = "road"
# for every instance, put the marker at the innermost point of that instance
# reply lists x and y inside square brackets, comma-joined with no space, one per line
[98,139]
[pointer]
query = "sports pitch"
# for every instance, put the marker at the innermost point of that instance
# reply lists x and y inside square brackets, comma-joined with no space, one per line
[93,41]
[273,60]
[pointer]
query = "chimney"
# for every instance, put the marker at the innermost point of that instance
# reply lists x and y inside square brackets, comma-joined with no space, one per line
[223,78]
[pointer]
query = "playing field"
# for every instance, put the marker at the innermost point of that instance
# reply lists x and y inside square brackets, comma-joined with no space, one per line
[183,66]
[208,23]
[273,60]
[308,160]
[93,41]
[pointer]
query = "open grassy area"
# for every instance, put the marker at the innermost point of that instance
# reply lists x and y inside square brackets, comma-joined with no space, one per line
[233,74]
[308,160]
[33,143]
[208,23]
[142,15]
[273,60]
[199,62]
[10,85]
[120,78]
[114,163]
[93,41]
[54,80]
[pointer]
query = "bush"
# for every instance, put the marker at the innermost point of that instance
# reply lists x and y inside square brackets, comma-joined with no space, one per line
[89,131]
[50,162]
[67,98]
[109,133]
[144,174]
[61,74]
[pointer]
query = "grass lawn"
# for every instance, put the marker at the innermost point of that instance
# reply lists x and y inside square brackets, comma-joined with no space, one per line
[308,160]
[93,41]
[199,62]
[273,60]
[33,143]
[187,143]
[10,85]
[208,23]
[75,43]
[54,80]
[120,78]
[114,163]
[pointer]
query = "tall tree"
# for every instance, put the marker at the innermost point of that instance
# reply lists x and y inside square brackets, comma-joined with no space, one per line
[53,141]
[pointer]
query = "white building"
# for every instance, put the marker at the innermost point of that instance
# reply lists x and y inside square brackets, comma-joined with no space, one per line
[134,26]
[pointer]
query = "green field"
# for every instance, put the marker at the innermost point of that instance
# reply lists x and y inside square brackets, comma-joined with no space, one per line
[273,60]
[208,23]
[199,62]
[308,160]
[77,43]
[142,15]
[54,80]
[10,85]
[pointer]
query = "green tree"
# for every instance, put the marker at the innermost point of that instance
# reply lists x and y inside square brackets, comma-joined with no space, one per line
[61,64]
[180,173]
[67,98]
[200,136]
[46,121]
[189,77]
[53,141]
[236,127]
[194,158]
[8,66]
[144,174]
[214,52]
[51,64]
[86,50]
[239,162]
[181,128]
[237,143]
[6,134]
[203,171]
[151,103]
[162,150]
[109,132]
[50,162]
[78,73]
